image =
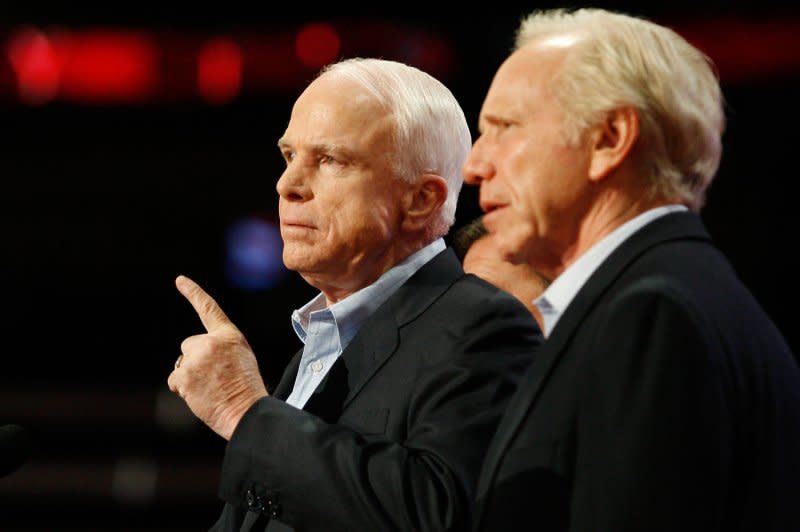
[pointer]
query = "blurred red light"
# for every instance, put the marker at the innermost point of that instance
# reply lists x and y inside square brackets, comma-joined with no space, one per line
[219,71]
[317,45]
[107,66]
[36,66]
[744,50]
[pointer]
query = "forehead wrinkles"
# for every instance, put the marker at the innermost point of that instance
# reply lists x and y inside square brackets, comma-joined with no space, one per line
[373,118]
[339,112]
[523,82]
[510,90]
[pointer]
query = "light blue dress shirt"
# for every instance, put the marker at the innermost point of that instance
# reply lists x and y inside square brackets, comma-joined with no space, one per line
[326,331]
[553,301]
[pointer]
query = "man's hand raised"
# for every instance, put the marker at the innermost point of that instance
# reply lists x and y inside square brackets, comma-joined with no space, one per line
[218,374]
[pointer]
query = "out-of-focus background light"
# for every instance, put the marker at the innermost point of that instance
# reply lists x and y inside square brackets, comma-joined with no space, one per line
[253,254]
[219,70]
[318,44]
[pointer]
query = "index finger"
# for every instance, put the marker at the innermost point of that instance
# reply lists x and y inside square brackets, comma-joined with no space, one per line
[210,313]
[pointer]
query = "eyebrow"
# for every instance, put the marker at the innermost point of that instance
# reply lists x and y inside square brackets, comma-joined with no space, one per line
[322,148]
[488,119]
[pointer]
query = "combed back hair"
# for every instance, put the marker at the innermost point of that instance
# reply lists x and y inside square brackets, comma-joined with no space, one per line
[620,60]
[432,134]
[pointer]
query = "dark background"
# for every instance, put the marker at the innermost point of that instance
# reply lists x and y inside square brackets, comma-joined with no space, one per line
[101,206]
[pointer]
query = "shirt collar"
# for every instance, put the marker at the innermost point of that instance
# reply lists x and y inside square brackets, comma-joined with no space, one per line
[554,300]
[350,312]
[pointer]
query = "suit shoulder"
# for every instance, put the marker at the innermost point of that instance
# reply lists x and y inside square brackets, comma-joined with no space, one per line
[471,303]
[474,291]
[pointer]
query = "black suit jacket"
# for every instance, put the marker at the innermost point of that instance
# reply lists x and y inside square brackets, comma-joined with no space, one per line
[393,438]
[663,400]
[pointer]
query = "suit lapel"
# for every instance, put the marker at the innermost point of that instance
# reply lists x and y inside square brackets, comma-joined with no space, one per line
[378,337]
[676,226]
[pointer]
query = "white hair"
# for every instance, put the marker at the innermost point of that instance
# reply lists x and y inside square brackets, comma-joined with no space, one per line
[431,131]
[620,60]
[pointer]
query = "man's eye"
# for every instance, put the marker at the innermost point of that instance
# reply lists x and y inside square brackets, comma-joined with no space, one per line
[327,159]
[288,155]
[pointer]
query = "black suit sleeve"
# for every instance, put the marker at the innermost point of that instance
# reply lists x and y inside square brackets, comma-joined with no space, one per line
[654,424]
[466,359]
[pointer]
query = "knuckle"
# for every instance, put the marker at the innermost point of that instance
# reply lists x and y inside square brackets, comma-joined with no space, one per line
[209,343]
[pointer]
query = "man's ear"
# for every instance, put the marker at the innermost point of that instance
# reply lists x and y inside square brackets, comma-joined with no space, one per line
[612,142]
[425,198]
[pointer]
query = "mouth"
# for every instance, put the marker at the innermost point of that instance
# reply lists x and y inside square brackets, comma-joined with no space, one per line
[292,222]
[491,212]
[295,227]
[489,207]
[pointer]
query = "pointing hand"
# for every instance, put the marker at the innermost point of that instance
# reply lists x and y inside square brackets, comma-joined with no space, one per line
[218,374]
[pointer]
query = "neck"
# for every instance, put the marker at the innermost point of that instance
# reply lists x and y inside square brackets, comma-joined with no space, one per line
[611,210]
[360,272]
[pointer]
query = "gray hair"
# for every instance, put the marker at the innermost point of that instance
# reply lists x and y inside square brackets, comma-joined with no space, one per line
[621,60]
[431,130]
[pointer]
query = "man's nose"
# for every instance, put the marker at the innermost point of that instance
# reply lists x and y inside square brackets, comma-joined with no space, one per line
[292,185]
[477,167]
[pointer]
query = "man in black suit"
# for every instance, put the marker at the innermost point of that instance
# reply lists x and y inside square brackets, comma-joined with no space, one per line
[663,398]
[380,422]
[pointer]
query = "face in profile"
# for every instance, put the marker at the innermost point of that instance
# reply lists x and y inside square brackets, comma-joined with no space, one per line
[339,202]
[529,177]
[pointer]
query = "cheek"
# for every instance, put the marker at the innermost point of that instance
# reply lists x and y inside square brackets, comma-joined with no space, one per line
[519,167]
[378,209]
[536,178]
[348,222]
[360,213]
[523,194]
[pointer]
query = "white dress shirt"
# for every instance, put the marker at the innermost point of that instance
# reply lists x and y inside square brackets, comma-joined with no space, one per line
[554,300]
[326,331]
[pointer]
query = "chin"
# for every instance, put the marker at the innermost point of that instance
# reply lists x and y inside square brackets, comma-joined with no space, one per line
[294,260]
